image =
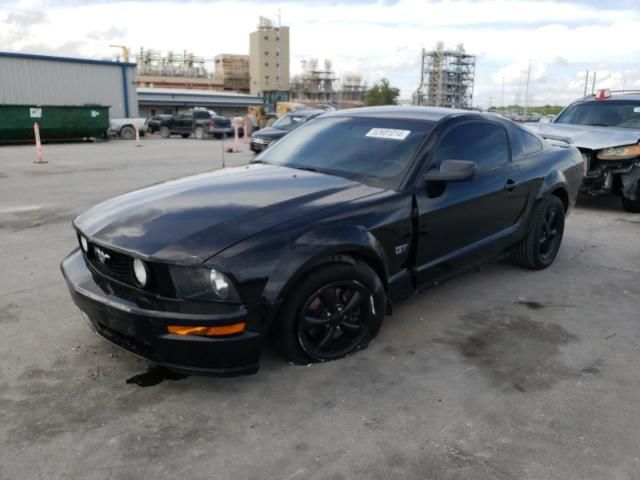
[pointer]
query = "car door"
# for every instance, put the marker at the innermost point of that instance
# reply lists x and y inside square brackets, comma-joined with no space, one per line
[464,222]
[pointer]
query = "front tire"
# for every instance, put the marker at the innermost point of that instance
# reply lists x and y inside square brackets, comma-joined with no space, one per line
[333,312]
[632,206]
[539,248]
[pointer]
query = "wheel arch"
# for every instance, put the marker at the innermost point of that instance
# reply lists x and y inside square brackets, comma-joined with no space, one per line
[323,246]
[122,127]
[555,183]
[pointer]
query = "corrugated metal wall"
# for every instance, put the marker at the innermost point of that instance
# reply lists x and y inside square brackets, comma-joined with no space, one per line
[26,80]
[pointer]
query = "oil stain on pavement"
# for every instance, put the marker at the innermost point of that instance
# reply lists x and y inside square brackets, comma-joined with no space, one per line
[154,375]
[513,351]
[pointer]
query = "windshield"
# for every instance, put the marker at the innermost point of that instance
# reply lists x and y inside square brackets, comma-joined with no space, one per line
[605,113]
[289,122]
[374,151]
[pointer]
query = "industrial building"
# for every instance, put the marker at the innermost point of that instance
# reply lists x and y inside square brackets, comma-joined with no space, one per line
[447,78]
[269,59]
[315,83]
[318,84]
[154,101]
[232,72]
[49,80]
[174,70]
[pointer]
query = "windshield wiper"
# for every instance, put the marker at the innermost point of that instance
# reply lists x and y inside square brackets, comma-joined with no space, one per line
[597,125]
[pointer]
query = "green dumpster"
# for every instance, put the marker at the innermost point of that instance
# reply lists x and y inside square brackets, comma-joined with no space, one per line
[57,122]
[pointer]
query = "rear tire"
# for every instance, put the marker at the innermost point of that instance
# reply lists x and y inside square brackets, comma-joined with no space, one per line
[165,132]
[334,311]
[539,248]
[632,206]
[127,132]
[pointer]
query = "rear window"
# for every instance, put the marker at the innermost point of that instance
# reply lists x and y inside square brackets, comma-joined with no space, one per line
[603,113]
[376,151]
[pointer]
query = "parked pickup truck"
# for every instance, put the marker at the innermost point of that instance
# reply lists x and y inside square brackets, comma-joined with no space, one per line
[126,127]
[199,123]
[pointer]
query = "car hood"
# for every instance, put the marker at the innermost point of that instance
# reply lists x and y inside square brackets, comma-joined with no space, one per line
[270,133]
[188,220]
[589,137]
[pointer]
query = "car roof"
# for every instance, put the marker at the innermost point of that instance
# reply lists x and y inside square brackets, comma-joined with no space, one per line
[635,95]
[431,114]
[305,113]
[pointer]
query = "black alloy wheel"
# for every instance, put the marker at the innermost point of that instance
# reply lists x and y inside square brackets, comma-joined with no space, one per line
[332,312]
[550,234]
[333,321]
[539,248]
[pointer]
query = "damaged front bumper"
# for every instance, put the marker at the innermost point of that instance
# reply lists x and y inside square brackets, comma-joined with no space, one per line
[139,323]
[604,177]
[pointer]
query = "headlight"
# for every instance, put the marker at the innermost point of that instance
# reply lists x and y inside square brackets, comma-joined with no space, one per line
[199,283]
[619,153]
[84,244]
[140,272]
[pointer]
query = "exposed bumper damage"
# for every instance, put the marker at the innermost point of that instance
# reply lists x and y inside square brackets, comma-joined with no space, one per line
[603,176]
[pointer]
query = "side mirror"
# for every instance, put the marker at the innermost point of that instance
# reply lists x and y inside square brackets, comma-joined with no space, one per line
[452,171]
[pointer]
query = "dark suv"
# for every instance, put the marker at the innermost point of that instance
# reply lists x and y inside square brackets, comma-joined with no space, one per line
[199,123]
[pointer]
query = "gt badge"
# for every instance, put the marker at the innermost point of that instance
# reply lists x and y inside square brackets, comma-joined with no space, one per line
[400,249]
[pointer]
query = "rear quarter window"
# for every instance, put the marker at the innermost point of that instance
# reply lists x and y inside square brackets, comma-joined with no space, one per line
[530,143]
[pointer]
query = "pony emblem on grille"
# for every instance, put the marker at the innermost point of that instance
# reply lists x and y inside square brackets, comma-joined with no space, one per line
[102,256]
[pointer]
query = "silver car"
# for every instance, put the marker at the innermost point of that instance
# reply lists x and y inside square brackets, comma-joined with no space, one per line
[606,129]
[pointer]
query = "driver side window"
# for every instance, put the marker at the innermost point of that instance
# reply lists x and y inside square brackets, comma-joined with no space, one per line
[485,144]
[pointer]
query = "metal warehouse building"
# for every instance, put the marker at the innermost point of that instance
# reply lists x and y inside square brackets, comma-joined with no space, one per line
[154,101]
[47,80]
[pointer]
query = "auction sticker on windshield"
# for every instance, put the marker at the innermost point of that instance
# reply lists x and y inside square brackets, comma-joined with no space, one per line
[388,133]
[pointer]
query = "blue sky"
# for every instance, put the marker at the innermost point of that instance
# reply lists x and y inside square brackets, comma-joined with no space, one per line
[376,39]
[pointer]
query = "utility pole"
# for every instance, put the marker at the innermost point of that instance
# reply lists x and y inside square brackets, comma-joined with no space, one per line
[586,82]
[526,90]
[502,100]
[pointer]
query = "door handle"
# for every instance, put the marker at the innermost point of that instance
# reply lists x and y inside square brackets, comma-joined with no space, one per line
[510,185]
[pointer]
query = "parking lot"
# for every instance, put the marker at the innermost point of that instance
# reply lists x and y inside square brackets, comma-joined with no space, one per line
[497,374]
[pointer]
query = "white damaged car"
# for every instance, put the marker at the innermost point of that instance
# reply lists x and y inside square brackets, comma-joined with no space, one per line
[606,129]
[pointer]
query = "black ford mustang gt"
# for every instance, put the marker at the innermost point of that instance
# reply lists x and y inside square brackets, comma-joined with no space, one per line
[312,242]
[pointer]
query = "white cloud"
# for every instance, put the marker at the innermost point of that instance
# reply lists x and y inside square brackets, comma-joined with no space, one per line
[562,39]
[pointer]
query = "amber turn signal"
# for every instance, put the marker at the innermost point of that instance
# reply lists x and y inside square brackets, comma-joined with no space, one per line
[207,331]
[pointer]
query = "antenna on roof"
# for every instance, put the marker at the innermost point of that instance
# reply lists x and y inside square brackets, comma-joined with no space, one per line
[223,163]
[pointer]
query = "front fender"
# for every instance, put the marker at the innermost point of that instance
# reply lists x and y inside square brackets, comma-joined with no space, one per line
[554,180]
[325,244]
